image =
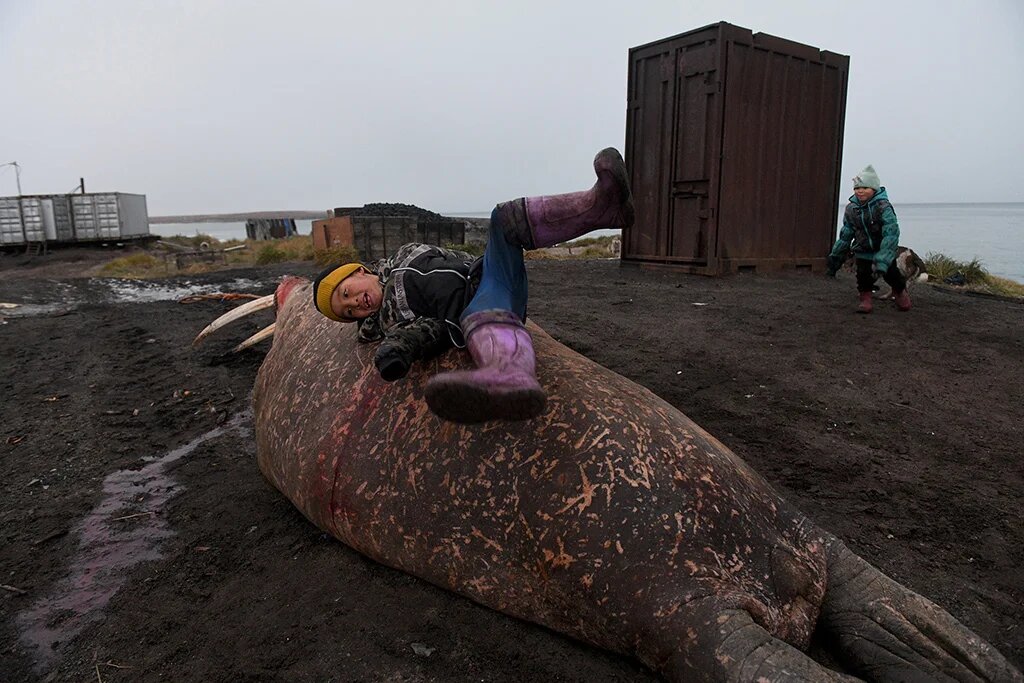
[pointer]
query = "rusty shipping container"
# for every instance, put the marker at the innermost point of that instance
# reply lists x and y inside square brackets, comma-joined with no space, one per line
[734,145]
[333,232]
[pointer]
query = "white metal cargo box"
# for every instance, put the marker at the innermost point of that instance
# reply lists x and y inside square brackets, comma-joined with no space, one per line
[109,215]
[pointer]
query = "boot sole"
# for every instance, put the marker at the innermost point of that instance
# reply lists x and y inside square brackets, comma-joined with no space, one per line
[610,160]
[471,405]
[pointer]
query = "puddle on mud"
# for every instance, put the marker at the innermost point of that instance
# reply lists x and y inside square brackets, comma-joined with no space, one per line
[142,291]
[66,297]
[126,528]
[59,299]
[37,310]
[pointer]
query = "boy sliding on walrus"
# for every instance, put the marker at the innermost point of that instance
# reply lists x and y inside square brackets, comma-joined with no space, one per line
[425,299]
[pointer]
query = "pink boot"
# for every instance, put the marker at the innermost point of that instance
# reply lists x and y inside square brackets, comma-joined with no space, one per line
[608,204]
[537,222]
[903,300]
[865,305]
[503,387]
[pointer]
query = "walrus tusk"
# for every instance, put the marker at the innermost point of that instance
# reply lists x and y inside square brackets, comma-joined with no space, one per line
[267,331]
[233,315]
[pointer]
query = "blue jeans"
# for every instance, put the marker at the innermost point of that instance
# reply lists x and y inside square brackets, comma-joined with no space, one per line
[503,285]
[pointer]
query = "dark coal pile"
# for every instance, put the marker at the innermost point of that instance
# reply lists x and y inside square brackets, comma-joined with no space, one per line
[381,209]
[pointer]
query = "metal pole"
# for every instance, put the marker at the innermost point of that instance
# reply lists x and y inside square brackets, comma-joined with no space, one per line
[81,182]
[17,173]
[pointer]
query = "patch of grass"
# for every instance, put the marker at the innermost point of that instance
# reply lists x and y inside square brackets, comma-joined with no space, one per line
[134,267]
[194,241]
[262,252]
[163,262]
[976,278]
[586,248]
[270,254]
[158,262]
[471,249]
[196,268]
[603,242]
[1004,287]
[295,248]
[941,266]
[335,255]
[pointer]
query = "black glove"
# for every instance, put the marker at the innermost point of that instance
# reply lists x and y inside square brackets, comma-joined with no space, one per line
[392,363]
[832,265]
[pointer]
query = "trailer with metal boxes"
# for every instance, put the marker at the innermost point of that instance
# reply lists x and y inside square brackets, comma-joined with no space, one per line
[73,218]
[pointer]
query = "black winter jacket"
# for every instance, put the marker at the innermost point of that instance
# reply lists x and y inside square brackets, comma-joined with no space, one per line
[426,288]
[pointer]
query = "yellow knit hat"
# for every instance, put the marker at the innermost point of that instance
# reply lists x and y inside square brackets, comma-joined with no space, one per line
[324,285]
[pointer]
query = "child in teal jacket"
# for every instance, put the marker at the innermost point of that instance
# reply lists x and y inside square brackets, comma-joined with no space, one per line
[871,231]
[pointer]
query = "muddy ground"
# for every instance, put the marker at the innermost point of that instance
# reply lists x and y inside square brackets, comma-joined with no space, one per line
[139,542]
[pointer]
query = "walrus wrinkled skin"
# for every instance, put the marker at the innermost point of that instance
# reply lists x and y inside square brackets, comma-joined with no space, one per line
[612,518]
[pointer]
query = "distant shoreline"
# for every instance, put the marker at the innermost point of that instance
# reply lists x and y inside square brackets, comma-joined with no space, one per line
[238,217]
[317,215]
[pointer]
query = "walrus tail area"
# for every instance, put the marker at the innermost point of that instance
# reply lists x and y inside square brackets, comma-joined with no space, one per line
[875,627]
[733,647]
[886,629]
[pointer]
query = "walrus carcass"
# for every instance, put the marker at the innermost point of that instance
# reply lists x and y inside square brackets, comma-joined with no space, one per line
[612,518]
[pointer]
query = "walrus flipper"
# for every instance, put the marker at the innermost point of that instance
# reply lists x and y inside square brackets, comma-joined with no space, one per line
[886,629]
[733,647]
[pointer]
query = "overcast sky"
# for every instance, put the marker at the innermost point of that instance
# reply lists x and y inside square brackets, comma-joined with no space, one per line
[208,106]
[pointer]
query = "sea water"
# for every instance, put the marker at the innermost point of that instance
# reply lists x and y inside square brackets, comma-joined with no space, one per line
[221,231]
[991,233]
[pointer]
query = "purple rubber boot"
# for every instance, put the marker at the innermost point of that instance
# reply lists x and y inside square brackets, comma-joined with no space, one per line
[608,204]
[537,222]
[503,387]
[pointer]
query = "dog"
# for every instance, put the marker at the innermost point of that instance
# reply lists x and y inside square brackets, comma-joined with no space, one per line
[908,262]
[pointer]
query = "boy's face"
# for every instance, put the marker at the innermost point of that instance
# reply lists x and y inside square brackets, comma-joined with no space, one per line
[357,296]
[863,194]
